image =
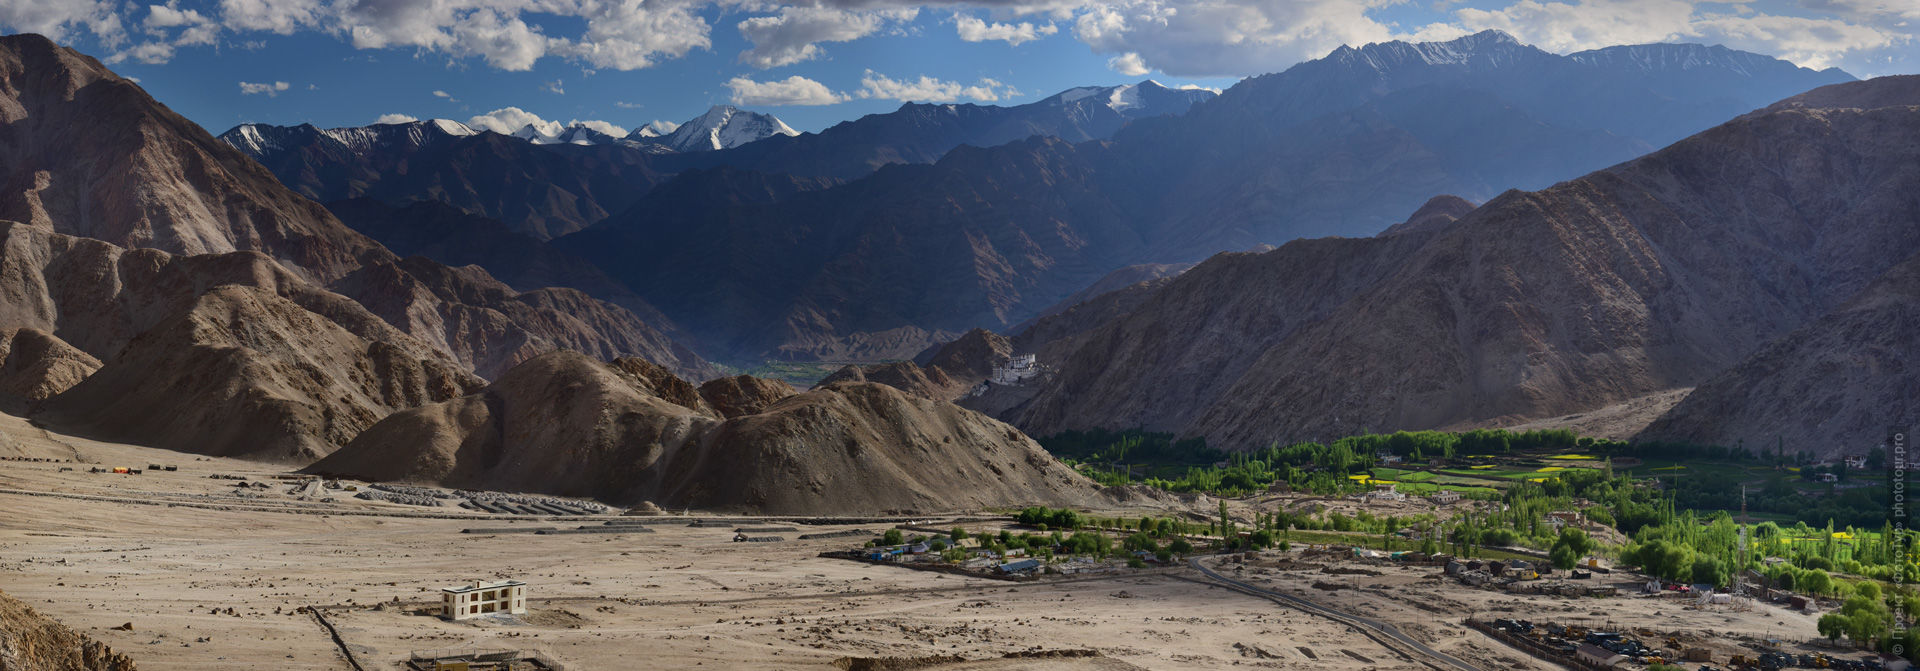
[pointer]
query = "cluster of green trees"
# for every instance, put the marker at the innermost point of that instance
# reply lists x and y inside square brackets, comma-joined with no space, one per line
[1863,618]
[1044,518]
[1190,465]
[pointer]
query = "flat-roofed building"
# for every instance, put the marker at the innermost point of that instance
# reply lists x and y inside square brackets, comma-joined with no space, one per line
[476,599]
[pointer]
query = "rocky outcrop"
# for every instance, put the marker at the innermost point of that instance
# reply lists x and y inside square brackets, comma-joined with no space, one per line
[245,372]
[742,395]
[565,424]
[656,380]
[942,373]
[37,366]
[973,356]
[30,641]
[925,382]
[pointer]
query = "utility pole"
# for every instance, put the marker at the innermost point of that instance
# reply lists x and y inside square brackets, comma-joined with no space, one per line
[1739,587]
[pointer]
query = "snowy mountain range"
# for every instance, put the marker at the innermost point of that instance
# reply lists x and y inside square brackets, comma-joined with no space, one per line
[721,127]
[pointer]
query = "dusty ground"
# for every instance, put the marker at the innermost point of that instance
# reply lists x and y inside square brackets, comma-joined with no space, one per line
[211,588]
[1429,607]
[1620,421]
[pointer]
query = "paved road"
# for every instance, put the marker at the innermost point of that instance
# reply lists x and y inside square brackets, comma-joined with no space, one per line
[1372,628]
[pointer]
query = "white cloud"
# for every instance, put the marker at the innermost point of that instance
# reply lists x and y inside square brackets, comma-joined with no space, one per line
[1565,27]
[442,94]
[1177,37]
[927,89]
[974,29]
[795,90]
[60,20]
[275,16]
[1815,43]
[169,27]
[554,87]
[505,41]
[601,126]
[394,118]
[151,53]
[506,120]
[271,89]
[1591,24]
[1129,64]
[630,34]
[1226,37]
[795,34]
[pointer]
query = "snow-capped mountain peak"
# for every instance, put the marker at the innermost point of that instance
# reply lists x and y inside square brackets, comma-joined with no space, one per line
[1145,99]
[1488,46]
[724,127]
[652,129]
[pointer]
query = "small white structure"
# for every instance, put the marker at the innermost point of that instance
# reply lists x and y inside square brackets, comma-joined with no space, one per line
[1023,367]
[1855,461]
[476,599]
[1446,497]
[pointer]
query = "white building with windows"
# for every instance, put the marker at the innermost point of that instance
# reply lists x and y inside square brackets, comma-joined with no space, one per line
[476,599]
[1018,370]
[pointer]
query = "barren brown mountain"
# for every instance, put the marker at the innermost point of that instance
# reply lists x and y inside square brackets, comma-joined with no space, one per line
[187,361]
[86,152]
[1835,386]
[245,372]
[488,327]
[563,423]
[1652,275]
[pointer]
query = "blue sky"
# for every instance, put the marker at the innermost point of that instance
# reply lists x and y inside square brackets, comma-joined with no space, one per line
[814,63]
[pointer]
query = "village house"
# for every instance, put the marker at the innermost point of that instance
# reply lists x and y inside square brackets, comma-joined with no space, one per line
[476,599]
[1445,497]
[1855,461]
[1593,654]
[1021,566]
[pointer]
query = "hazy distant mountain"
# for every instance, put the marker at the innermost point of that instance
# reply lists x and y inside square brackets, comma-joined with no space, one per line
[1344,145]
[542,188]
[922,132]
[1661,273]
[584,175]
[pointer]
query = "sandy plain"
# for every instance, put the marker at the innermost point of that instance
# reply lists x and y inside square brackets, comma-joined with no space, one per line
[213,576]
